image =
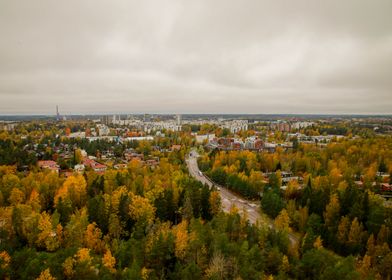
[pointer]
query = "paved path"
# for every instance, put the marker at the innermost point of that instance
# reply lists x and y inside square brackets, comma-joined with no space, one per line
[229,198]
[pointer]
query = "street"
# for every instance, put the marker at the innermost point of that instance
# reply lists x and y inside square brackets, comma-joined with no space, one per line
[229,198]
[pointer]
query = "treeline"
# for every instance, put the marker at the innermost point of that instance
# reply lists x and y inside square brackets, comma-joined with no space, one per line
[14,153]
[349,160]
[237,183]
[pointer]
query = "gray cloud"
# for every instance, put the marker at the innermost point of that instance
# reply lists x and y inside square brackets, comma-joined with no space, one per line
[196,56]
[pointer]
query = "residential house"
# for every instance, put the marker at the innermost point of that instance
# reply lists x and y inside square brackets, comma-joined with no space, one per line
[49,164]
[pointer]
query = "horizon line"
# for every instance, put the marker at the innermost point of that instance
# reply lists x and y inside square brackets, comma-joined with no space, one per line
[177,113]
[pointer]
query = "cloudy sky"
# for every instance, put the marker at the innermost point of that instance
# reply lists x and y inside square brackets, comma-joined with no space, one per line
[201,56]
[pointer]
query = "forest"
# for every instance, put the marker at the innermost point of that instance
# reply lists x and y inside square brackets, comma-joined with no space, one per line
[146,222]
[338,202]
[132,224]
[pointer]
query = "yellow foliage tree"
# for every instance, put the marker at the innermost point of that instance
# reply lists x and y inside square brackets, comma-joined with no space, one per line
[16,196]
[355,235]
[303,215]
[115,228]
[73,188]
[370,174]
[116,197]
[109,261]
[46,236]
[285,266]
[93,237]
[318,243]
[343,229]
[292,188]
[365,267]
[182,237]
[110,181]
[141,209]
[83,255]
[6,218]
[234,210]
[34,200]
[78,156]
[215,202]
[331,213]
[59,233]
[68,267]
[382,236]
[5,259]
[370,246]
[45,275]
[74,232]
[335,176]
[342,186]
[145,273]
[282,221]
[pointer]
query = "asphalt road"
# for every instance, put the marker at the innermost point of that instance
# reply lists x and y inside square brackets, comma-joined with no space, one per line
[229,198]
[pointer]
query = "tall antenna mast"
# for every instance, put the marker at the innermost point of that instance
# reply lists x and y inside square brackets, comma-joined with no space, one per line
[57,113]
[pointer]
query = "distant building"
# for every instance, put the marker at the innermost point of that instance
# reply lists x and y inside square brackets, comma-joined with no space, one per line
[281,126]
[206,137]
[49,164]
[299,125]
[88,132]
[385,187]
[120,166]
[259,144]
[139,138]
[130,156]
[96,166]
[235,126]
[83,153]
[269,147]
[7,126]
[253,143]
[80,134]
[236,145]
[79,168]
[225,142]
[179,120]
[103,130]
[152,162]
[176,147]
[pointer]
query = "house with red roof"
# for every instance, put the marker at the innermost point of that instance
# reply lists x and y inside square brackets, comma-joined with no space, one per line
[49,164]
[96,166]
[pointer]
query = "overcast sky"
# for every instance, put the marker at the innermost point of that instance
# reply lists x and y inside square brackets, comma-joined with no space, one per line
[202,56]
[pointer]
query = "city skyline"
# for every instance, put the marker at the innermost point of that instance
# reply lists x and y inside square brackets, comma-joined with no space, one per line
[201,57]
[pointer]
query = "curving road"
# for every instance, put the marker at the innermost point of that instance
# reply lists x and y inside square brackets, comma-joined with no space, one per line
[229,199]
